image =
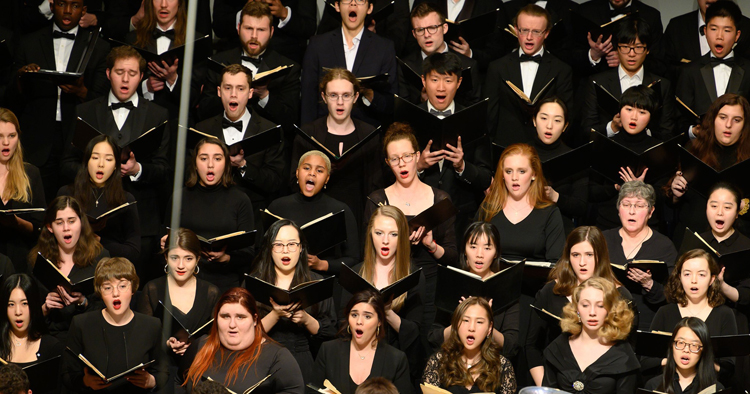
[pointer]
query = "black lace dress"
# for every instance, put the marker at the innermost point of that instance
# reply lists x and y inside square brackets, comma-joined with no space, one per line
[507,380]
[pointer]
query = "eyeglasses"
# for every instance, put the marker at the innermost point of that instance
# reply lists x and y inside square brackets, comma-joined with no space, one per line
[430,29]
[357,2]
[692,347]
[121,287]
[336,96]
[278,247]
[625,49]
[638,206]
[406,157]
[534,33]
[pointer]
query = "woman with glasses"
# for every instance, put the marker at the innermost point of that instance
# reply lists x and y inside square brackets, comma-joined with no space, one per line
[635,240]
[360,171]
[690,360]
[115,339]
[281,261]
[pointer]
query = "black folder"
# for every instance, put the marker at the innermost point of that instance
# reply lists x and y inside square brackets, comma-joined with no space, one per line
[696,118]
[731,345]
[21,211]
[660,159]
[259,79]
[232,241]
[375,82]
[736,263]
[503,287]
[701,177]
[251,144]
[568,165]
[414,77]
[307,294]
[50,276]
[201,51]
[96,216]
[546,315]
[335,156]
[469,123]
[583,25]
[535,274]
[659,272]
[353,283]
[110,379]
[528,103]
[657,343]
[143,145]
[708,390]
[433,216]
[472,28]
[191,331]
[247,390]
[606,101]
[6,59]
[322,233]
[41,374]
[69,77]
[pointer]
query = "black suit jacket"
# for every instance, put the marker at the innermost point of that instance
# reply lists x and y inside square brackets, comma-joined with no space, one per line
[697,87]
[36,102]
[155,169]
[264,174]
[283,101]
[466,95]
[375,56]
[662,122]
[509,121]
[560,40]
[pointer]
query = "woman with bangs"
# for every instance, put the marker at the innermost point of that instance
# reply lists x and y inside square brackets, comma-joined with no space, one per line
[694,291]
[68,242]
[239,354]
[585,256]
[21,187]
[470,360]
[592,355]
[99,191]
[361,172]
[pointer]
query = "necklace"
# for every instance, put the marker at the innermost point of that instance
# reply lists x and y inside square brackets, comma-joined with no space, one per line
[97,198]
[407,204]
[472,362]
[16,341]
[638,246]
[361,357]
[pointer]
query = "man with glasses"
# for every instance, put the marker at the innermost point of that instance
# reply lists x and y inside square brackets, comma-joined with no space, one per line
[529,68]
[429,28]
[632,42]
[358,50]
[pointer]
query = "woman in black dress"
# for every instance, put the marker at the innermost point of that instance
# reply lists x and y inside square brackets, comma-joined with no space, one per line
[585,256]
[281,263]
[359,172]
[690,361]
[592,355]
[239,354]
[22,189]
[98,192]
[470,359]
[115,339]
[313,175]
[635,240]
[363,352]
[481,256]
[67,241]
[211,207]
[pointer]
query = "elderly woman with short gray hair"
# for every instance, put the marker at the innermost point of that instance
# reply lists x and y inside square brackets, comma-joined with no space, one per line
[635,240]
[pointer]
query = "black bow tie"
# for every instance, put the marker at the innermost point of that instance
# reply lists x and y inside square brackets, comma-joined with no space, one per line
[254,60]
[435,112]
[159,33]
[127,105]
[527,58]
[621,11]
[59,34]
[702,30]
[715,61]
[226,123]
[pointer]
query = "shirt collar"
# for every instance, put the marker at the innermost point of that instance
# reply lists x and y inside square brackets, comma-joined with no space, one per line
[245,118]
[356,38]
[73,31]
[622,74]
[540,52]
[114,100]
[701,22]
[729,56]
[451,107]
[167,29]
[445,50]
[626,5]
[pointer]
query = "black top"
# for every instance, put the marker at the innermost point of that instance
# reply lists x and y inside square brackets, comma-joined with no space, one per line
[659,248]
[654,384]
[15,244]
[48,347]
[432,376]
[539,236]
[332,363]
[214,211]
[735,243]
[302,210]
[616,371]
[638,143]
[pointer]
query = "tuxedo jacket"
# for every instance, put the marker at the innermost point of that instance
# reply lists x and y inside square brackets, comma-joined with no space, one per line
[36,103]
[156,170]
[263,177]
[283,100]
[662,123]
[509,120]
[697,87]
[375,56]
[468,93]
[560,40]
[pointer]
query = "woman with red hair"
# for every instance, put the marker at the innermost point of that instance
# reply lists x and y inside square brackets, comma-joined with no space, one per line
[239,354]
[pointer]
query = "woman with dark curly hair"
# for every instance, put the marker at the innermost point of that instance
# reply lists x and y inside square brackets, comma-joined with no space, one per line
[469,359]
[595,325]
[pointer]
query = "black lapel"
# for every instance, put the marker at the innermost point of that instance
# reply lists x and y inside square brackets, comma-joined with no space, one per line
[80,43]
[707,72]
[362,51]
[47,49]
[467,11]
[543,75]
[735,79]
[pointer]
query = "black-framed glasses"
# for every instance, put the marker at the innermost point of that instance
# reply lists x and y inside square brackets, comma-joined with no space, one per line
[430,29]
[625,49]
[278,247]
[692,347]
[406,157]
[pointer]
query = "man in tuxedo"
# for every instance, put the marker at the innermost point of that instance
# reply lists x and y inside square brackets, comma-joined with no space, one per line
[464,171]
[632,43]
[358,50]
[428,28]
[277,101]
[530,68]
[124,115]
[258,174]
[716,73]
[47,111]
[560,41]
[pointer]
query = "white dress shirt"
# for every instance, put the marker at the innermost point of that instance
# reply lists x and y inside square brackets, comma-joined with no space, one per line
[722,72]
[351,53]
[121,114]
[162,45]
[232,135]
[528,71]
[62,47]
[627,82]
[454,8]
[702,38]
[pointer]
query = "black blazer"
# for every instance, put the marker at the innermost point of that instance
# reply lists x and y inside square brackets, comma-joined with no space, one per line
[560,41]
[283,100]
[509,121]
[36,103]
[332,363]
[466,95]
[264,174]
[156,169]
[662,121]
[375,56]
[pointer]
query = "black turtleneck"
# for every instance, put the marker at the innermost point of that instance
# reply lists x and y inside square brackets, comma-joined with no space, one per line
[573,197]
[549,151]
[638,143]
[725,155]
[303,209]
